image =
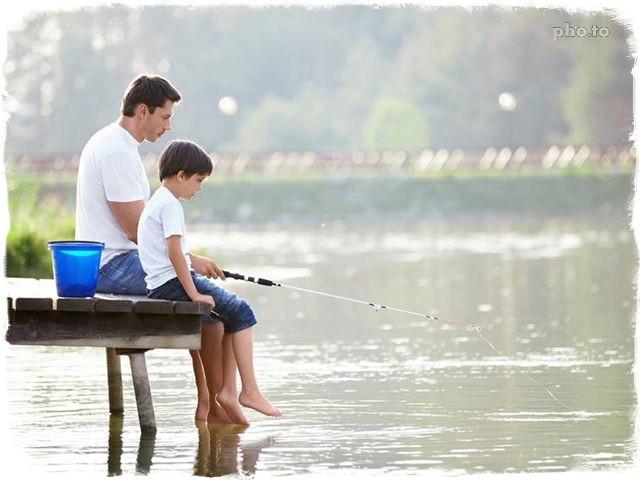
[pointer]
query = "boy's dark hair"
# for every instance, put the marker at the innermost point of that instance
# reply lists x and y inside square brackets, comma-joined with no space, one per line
[152,90]
[184,155]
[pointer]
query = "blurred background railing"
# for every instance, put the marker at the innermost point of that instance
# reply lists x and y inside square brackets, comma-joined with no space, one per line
[554,157]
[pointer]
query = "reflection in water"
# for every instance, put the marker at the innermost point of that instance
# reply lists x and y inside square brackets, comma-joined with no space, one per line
[145,452]
[114,458]
[218,447]
[146,448]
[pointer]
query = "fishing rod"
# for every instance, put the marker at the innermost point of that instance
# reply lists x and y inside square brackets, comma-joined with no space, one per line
[471,327]
[270,283]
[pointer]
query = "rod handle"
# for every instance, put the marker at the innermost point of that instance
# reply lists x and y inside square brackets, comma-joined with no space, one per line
[259,281]
[236,276]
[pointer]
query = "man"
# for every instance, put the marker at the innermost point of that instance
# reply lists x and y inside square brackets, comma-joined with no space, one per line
[112,190]
[113,187]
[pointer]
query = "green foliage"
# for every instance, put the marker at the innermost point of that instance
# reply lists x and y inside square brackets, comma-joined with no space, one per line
[308,78]
[593,97]
[395,123]
[36,217]
[27,254]
[278,124]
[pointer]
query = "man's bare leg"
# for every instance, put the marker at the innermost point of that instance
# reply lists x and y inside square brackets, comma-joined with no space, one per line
[211,354]
[202,408]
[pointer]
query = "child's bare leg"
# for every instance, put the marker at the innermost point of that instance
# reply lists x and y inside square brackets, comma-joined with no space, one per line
[202,408]
[250,396]
[228,396]
[211,353]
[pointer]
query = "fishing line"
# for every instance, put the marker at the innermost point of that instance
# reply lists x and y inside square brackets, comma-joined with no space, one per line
[470,327]
[270,283]
[525,373]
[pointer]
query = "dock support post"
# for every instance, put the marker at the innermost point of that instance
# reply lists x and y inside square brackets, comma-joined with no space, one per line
[143,392]
[114,379]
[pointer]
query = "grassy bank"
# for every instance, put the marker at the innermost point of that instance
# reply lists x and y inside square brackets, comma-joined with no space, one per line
[43,210]
[36,216]
[410,199]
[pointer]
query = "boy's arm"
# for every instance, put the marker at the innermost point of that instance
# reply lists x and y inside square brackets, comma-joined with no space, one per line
[207,267]
[182,271]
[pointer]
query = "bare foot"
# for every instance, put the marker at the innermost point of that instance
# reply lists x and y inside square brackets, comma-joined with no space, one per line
[217,414]
[229,403]
[258,403]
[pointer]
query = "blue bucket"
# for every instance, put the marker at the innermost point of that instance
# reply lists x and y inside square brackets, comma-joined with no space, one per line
[75,267]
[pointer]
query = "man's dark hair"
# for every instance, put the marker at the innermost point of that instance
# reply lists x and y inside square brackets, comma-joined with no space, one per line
[184,155]
[152,90]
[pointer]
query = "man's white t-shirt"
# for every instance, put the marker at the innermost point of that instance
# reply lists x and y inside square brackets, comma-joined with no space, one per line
[161,218]
[110,170]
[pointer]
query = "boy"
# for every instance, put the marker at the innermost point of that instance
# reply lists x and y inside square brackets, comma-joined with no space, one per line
[164,257]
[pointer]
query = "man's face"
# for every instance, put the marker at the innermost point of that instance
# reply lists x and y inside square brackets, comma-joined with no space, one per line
[153,125]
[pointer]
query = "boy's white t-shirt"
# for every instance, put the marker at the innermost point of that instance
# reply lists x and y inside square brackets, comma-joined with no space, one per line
[110,170]
[161,218]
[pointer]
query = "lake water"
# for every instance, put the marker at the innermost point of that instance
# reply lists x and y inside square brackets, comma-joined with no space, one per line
[547,388]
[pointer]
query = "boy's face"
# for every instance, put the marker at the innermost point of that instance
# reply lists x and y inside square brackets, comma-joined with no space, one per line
[189,186]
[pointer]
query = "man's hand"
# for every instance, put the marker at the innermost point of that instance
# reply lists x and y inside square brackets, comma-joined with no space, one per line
[207,267]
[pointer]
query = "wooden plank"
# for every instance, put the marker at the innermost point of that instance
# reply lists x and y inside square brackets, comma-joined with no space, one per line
[159,307]
[191,308]
[10,310]
[189,342]
[68,304]
[144,304]
[113,305]
[97,328]
[129,351]
[37,294]
[33,304]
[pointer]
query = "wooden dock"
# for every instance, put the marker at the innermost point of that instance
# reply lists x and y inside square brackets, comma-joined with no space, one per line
[124,325]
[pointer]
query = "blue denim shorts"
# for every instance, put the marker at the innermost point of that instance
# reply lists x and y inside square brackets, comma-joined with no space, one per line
[123,275]
[234,312]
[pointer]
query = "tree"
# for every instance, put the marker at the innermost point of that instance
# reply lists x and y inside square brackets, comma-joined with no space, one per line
[306,122]
[309,78]
[597,98]
[395,123]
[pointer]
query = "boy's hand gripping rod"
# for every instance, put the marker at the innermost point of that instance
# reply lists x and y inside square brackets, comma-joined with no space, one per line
[270,283]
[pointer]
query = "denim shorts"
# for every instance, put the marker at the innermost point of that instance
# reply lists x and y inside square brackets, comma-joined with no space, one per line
[123,275]
[234,312]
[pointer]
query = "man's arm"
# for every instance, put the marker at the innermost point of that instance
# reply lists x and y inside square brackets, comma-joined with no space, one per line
[127,215]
